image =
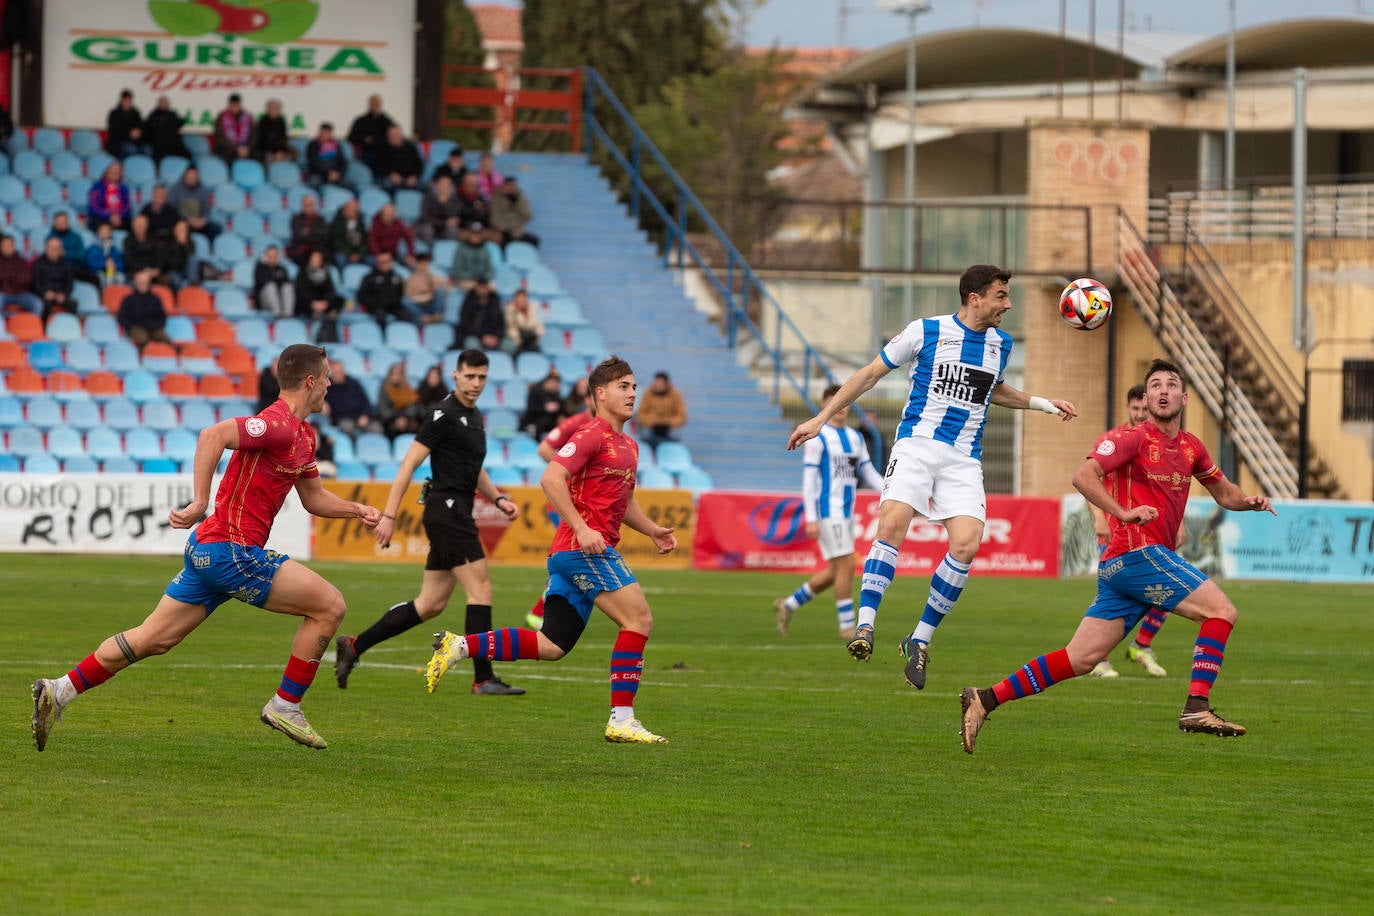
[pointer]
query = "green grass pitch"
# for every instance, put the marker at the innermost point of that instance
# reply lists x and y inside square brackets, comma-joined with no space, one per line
[796,780]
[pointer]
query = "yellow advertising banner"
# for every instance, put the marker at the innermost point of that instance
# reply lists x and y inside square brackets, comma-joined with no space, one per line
[523,542]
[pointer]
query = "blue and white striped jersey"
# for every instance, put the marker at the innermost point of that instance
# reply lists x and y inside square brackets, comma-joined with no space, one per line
[953,373]
[834,462]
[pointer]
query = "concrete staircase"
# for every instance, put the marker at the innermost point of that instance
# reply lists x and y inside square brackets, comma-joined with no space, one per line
[604,261]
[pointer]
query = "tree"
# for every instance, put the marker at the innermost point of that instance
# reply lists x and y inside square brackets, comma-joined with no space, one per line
[721,131]
[463,47]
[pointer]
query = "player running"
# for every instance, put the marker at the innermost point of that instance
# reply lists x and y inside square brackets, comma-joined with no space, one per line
[225,557]
[590,484]
[833,462]
[1152,465]
[957,366]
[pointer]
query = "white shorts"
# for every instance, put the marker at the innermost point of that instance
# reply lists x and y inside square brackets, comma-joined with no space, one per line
[935,479]
[836,537]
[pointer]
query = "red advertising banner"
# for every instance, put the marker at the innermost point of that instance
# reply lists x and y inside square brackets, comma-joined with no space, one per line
[767,531]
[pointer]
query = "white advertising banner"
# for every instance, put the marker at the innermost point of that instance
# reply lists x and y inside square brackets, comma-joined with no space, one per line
[116,513]
[321,59]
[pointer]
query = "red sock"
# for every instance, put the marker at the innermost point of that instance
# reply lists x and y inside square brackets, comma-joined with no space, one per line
[1207,655]
[1034,676]
[89,673]
[627,662]
[508,644]
[300,674]
[538,609]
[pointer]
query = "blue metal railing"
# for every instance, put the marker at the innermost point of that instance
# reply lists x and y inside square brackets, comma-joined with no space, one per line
[679,251]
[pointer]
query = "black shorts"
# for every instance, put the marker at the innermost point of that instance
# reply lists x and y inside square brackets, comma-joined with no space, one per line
[452,533]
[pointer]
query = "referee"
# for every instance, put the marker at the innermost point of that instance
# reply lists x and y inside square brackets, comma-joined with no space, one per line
[453,433]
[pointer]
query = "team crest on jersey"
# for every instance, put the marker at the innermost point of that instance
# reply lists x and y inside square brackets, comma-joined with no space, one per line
[1189,455]
[1106,447]
[1154,453]
[255,426]
[567,451]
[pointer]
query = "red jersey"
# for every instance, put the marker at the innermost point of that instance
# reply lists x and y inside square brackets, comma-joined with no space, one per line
[601,466]
[1146,468]
[565,428]
[276,448]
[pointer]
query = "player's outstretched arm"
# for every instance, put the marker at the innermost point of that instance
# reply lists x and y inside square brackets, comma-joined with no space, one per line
[210,447]
[849,392]
[386,525]
[1230,496]
[1088,481]
[639,520]
[1006,396]
[319,501]
[503,503]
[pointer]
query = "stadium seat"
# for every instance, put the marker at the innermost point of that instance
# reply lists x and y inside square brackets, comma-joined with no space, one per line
[122,414]
[385,470]
[542,282]
[232,303]
[159,358]
[229,248]
[194,302]
[46,192]
[655,478]
[532,366]
[506,281]
[25,442]
[673,456]
[334,198]
[104,443]
[213,171]
[354,362]
[371,200]
[400,445]
[353,275]
[402,336]
[352,470]
[241,273]
[43,412]
[65,442]
[139,170]
[180,444]
[288,331]
[180,329]
[437,337]
[24,327]
[25,380]
[523,452]
[196,414]
[87,299]
[284,175]
[564,310]
[141,386]
[11,411]
[85,143]
[236,361]
[365,335]
[28,165]
[113,295]
[159,466]
[503,475]
[170,168]
[177,385]
[279,226]
[65,383]
[408,203]
[12,355]
[160,416]
[442,252]
[83,414]
[502,422]
[217,387]
[119,464]
[522,256]
[42,464]
[45,355]
[103,384]
[372,448]
[247,173]
[252,333]
[66,167]
[359,175]
[196,359]
[80,464]
[64,327]
[267,201]
[9,464]
[142,444]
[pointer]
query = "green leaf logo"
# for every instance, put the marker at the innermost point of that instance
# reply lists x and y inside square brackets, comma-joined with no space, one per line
[186,19]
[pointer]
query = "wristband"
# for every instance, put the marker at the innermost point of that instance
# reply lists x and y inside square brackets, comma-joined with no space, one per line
[392,517]
[1037,403]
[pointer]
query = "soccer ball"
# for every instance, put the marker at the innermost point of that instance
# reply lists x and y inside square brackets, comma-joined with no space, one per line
[1085,304]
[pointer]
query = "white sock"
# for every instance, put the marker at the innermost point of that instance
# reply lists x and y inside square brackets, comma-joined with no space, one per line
[622,714]
[64,691]
[283,705]
[845,611]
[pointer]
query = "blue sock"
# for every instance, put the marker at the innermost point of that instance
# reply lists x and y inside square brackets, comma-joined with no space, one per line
[879,569]
[945,587]
[845,610]
[799,597]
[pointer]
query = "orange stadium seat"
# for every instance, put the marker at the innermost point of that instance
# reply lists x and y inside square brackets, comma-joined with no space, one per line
[101,383]
[195,302]
[114,294]
[63,380]
[215,332]
[169,302]
[177,385]
[236,361]
[25,327]
[248,386]
[12,356]
[218,386]
[156,349]
[24,380]
[195,350]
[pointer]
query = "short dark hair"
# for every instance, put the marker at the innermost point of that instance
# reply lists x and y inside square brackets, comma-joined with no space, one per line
[1163,365]
[830,392]
[978,278]
[473,358]
[607,371]
[297,362]
[1137,393]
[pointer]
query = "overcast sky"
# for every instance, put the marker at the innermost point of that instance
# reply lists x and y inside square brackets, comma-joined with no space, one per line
[816,23]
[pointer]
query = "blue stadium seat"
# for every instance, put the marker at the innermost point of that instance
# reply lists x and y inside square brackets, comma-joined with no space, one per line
[65,442]
[365,335]
[334,198]
[27,217]
[501,368]
[279,223]
[353,275]
[232,303]
[522,256]
[371,200]
[119,464]
[372,448]
[498,257]
[532,366]
[213,171]
[11,411]
[502,422]
[385,470]
[46,193]
[196,415]
[105,442]
[564,310]
[28,165]
[442,252]
[695,479]
[121,356]
[400,445]
[67,167]
[673,456]
[403,336]
[12,190]
[96,164]
[43,411]
[180,329]
[267,200]
[437,337]
[180,444]
[142,444]
[139,170]
[121,413]
[589,342]
[295,194]
[418,362]
[503,475]
[236,407]
[284,175]
[343,446]
[252,333]
[170,168]
[25,442]
[199,366]
[489,399]
[229,248]
[49,141]
[64,327]
[353,359]
[506,280]
[83,414]
[523,452]
[160,416]
[288,331]
[159,466]
[247,173]
[158,365]
[42,464]
[84,143]
[140,386]
[542,282]
[197,144]
[80,464]
[46,355]
[83,356]
[654,478]
[408,203]
[353,470]
[9,464]
[242,275]
[88,302]
[359,175]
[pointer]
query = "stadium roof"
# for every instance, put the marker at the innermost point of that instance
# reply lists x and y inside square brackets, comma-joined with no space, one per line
[1314,43]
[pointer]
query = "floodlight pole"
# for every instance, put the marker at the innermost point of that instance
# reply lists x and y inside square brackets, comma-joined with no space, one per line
[911,9]
[1300,342]
[1230,166]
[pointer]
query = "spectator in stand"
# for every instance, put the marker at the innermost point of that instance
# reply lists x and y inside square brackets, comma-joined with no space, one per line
[346,403]
[543,406]
[141,249]
[398,404]
[272,138]
[269,388]
[398,163]
[439,212]
[488,179]
[191,200]
[141,314]
[576,401]
[324,160]
[53,279]
[348,235]
[453,168]
[316,297]
[481,326]
[423,292]
[73,246]
[272,288]
[387,232]
[104,257]
[163,131]
[381,290]
[510,213]
[179,262]
[368,132]
[162,216]
[6,127]
[472,261]
[124,129]
[523,325]
[108,200]
[16,281]
[661,411]
[309,232]
[431,389]
[473,207]
[233,137]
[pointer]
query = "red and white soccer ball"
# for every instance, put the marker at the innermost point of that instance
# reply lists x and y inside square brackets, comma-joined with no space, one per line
[1085,304]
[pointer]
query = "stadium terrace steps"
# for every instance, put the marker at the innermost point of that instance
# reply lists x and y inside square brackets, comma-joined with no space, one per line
[589,240]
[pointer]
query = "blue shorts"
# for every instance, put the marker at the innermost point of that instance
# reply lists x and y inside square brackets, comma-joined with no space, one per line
[580,577]
[214,573]
[1130,584]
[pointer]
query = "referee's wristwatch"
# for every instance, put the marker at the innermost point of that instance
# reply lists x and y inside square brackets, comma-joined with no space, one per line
[497,500]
